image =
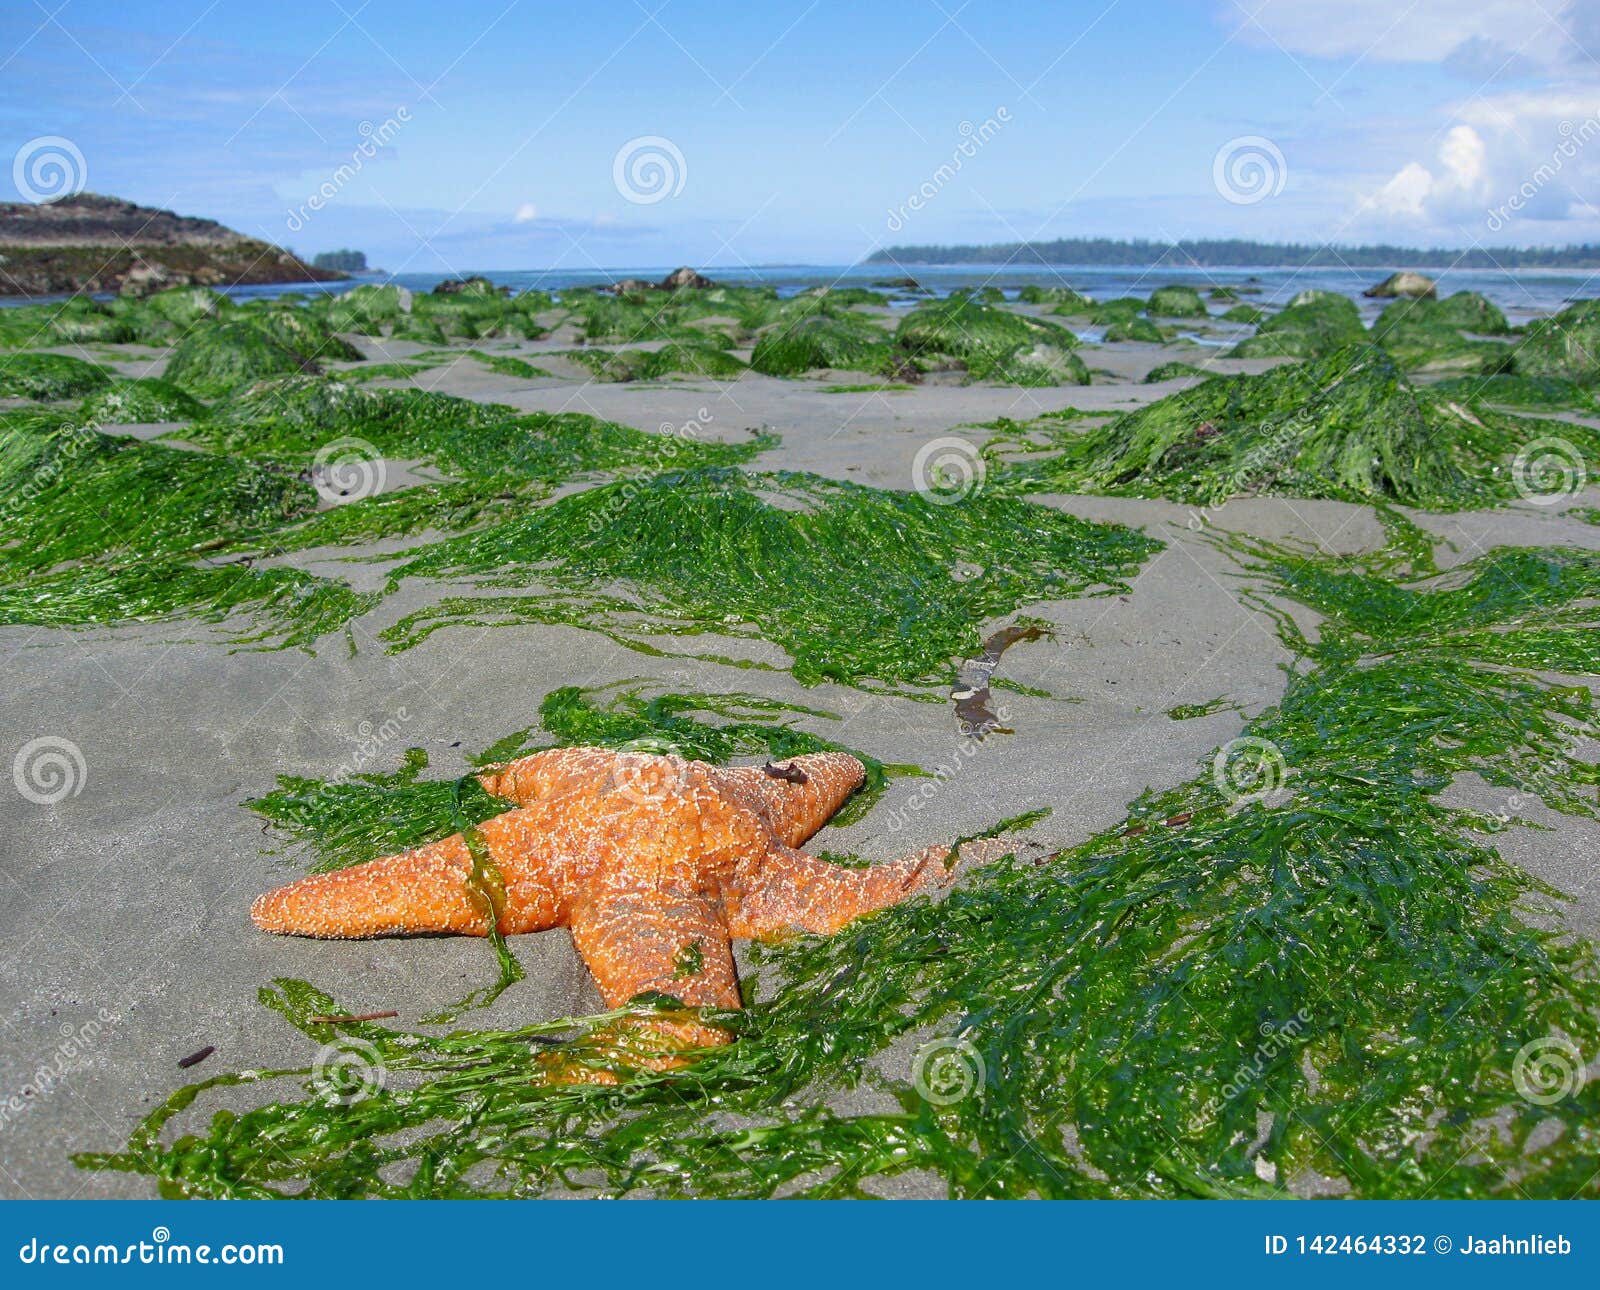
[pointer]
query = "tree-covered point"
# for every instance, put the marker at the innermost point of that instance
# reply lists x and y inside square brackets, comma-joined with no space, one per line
[341,261]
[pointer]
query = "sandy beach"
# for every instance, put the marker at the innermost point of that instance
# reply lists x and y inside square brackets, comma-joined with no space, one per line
[127,905]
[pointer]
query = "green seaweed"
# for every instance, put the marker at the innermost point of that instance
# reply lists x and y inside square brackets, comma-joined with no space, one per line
[778,557]
[1308,967]
[214,361]
[821,341]
[1313,325]
[992,343]
[1189,711]
[140,402]
[1566,346]
[49,378]
[1349,426]
[1176,302]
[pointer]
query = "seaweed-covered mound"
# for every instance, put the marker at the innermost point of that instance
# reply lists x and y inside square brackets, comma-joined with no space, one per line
[693,358]
[821,341]
[48,378]
[214,361]
[1565,346]
[1140,329]
[138,402]
[1464,310]
[1063,297]
[779,556]
[993,343]
[1175,371]
[1314,324]
[1176,302]
[1538,393]
[107,529]
[1251,314]
[1350,426]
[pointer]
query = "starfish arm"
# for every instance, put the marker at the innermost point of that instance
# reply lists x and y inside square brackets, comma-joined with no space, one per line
[665,939]
[799,804]
[428,889]
[550,774]
[799,893]
[424,890]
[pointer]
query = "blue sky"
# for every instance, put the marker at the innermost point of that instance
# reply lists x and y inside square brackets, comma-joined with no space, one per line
[467,135]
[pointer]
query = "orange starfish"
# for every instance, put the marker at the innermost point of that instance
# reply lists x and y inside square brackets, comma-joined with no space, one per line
[653,861]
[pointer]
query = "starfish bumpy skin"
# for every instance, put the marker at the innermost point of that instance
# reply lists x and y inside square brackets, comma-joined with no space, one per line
[654,862]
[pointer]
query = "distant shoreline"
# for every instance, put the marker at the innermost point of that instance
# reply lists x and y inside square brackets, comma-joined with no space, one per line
[1231,253]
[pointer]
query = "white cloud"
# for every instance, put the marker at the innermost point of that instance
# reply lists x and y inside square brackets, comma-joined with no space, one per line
[526,213]
[1517,163]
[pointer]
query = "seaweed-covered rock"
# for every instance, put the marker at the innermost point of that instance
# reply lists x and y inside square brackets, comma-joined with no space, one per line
[213,361]
[820,341]
[653,364]
[1176,302]
[1140,329]
[1405,283]
[366,309]
[473,286]
[1513,391]
[1175,371]
[49,377]
[1465,310]
[686,279]
[305,333]
[1348,426]
[1222,293]
[1120,309]
[1313,325]
[994,344]
[1251,314]
[1433,348]
[139,403]
[1033,294]
[1565,346]
[185,306]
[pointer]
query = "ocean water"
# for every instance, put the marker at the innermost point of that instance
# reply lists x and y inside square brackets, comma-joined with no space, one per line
[1523,294]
